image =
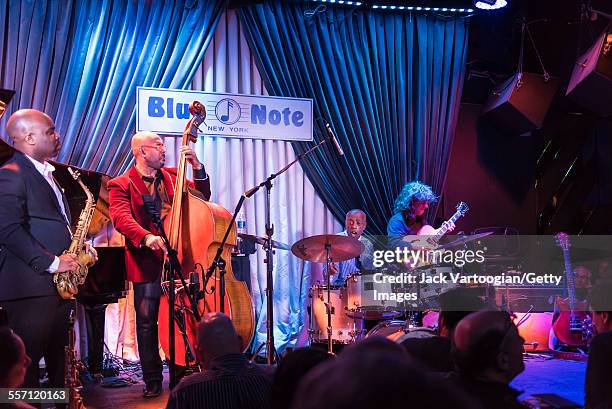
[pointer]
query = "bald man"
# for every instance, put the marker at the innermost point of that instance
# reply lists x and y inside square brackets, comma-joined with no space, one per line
[34,232]
[148,178]
[488,354]
[355,223]
[228,379]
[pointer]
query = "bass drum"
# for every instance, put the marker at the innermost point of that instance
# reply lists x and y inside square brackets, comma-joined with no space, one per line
[397,331]
[345,330]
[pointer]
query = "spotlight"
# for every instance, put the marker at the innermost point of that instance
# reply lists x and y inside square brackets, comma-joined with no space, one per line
[490,4]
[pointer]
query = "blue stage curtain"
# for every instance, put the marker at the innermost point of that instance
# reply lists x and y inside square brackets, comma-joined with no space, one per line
[388,82]
[81,61]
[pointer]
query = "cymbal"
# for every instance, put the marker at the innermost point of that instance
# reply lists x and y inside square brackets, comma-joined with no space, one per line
[263,240]
[341,248]
[464,239]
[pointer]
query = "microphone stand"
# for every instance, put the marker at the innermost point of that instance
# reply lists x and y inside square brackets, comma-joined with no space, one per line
[269,260]
[172,267]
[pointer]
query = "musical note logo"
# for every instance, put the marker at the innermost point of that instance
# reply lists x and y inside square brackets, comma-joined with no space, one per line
[227,111]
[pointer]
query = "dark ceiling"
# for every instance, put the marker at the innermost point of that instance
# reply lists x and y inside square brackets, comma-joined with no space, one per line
[561,29]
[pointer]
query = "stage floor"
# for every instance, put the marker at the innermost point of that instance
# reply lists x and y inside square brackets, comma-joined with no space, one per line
[541,375]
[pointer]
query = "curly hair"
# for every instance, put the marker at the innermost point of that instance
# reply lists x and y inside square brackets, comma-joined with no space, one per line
[413,190]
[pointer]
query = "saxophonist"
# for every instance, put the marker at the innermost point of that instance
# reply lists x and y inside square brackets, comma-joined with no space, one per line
[34,232]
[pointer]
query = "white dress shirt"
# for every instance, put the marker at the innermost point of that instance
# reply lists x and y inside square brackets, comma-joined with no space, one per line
[46,170]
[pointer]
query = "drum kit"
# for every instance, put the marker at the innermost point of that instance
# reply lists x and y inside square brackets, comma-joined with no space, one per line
[338,314]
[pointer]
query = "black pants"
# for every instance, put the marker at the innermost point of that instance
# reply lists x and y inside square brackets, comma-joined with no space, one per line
[146,302]
[95,319]
[42,324]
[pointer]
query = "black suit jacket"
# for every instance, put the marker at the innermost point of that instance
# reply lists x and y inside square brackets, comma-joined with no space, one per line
[598,394]
[32,231]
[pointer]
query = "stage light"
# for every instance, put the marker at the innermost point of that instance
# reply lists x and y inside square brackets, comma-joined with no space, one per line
[490,4]
[340,2]
[388,5]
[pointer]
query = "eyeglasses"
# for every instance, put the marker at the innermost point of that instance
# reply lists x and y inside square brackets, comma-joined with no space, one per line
[157,146]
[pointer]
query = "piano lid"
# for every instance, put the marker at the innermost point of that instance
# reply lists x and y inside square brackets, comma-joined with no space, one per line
[95,181]
[5,97]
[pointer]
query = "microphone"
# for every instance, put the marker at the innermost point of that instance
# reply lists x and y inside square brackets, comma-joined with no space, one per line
[334,140]
[194,284]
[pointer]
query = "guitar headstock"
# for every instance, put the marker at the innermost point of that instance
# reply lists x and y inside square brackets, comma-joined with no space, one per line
[563,241]
[462,208]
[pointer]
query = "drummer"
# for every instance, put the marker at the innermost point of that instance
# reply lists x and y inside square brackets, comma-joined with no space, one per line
[355,223]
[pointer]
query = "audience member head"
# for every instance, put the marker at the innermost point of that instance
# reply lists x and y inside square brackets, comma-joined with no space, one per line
[604,270]
[374,373]
[414,199]
[149,150]
[290,372]
[456,304]
[355,223]
[14,360]
[216,337]
[487,346]
[582,277]
[601,305]
[33,133]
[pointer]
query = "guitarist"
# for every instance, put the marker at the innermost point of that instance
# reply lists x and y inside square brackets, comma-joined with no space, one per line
[409,214]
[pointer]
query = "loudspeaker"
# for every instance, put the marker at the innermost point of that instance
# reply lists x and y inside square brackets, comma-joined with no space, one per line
[591,81]
[516,107]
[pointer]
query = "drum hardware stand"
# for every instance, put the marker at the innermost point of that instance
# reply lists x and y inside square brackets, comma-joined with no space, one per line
[218,261]
[172,267]
[328,306]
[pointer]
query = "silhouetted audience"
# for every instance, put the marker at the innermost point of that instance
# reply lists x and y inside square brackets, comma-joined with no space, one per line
[598,383]
[488,354]
[292,368]
[14,362]
[229,380]
[375,373]
[435,351]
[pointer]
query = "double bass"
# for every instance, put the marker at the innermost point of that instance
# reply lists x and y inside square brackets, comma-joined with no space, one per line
[195,229]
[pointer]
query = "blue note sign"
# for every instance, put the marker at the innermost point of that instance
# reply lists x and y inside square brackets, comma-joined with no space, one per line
[166,112]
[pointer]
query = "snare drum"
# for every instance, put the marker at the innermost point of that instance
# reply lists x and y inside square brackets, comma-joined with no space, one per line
[345,330]
[362,303]
[429,292]
[397,331]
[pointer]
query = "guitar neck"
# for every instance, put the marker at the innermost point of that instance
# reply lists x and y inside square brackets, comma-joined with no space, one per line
[570,280]
[444,228]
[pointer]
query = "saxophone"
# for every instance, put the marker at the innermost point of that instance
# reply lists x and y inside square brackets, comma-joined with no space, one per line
[67,282]
[71,368]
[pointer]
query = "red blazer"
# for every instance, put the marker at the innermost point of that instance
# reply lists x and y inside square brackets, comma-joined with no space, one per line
[131,219]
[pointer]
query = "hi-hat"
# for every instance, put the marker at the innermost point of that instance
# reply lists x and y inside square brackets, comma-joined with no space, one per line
[314,248]
[263,240]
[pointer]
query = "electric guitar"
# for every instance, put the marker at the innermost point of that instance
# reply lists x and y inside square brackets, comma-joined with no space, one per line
[428,237]
[571,323]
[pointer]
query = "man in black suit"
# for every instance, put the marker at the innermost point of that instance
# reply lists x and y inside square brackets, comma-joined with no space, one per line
[34,231]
